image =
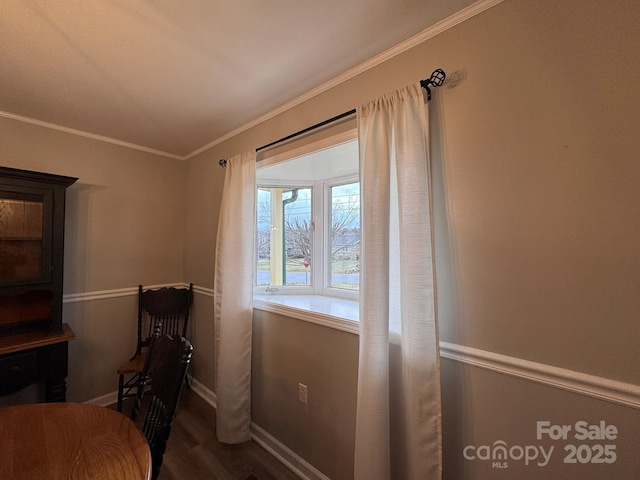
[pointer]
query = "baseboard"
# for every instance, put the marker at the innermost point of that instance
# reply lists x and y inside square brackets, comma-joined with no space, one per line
[203,392]
[577,382]
[286,456]
[104,400]
[112,397]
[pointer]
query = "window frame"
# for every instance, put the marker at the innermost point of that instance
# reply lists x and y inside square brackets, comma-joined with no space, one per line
[321,216]
[318,303]
[288,289]
[327,289]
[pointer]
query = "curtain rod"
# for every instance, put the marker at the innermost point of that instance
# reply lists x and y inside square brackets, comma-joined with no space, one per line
[436,80]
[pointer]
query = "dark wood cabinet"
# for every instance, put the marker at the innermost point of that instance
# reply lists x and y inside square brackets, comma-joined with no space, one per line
[33,338]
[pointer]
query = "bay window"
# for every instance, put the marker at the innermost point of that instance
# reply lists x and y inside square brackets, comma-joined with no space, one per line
[308,229]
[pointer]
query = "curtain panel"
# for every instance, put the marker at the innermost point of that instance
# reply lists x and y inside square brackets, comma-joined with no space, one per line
[233,299]
[398,416]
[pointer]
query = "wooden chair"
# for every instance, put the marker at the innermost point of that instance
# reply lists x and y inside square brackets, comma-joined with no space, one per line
[168,307]
[166,364]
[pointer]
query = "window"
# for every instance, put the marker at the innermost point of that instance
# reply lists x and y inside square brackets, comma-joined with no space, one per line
[344,235]
[284,240]
[308,228]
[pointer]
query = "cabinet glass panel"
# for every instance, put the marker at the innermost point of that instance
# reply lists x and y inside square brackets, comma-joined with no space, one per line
[22,236]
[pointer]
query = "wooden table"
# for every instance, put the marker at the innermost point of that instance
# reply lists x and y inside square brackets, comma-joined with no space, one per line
[71,441]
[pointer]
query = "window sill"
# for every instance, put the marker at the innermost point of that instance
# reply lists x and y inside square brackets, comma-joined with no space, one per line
[331,312]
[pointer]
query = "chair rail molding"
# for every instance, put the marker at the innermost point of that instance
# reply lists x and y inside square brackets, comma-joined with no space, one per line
[594,386]
[203,291]
[116,292]
[577,382]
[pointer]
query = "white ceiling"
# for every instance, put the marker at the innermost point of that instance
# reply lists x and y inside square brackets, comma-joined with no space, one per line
[175,75]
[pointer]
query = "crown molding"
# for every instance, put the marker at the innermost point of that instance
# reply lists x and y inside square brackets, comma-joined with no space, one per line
[92,136]
[443,25]
[430,32]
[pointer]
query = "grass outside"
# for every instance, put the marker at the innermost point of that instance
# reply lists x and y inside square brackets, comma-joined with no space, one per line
[338,267]
[296,265]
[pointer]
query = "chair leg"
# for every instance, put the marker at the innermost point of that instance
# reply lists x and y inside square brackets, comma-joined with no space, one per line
[186,382]
[120,392]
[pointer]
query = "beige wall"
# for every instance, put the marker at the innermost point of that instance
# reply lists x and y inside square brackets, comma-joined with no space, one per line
[287,352]
[537,221]
[481,407]
[124,227]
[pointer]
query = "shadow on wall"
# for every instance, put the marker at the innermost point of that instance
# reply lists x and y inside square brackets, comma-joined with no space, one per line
[456,78]
[77,232]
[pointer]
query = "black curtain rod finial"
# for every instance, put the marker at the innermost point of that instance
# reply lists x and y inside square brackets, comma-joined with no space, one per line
[437,79]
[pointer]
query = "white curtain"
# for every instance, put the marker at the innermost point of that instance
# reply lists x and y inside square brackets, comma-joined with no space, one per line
[398,417]
[233,299]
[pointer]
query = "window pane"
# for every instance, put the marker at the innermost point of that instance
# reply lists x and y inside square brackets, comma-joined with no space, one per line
[298,235]
[263,275]
[284,236]
[345,236]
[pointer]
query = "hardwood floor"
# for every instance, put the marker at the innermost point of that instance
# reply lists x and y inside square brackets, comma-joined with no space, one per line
[193,452]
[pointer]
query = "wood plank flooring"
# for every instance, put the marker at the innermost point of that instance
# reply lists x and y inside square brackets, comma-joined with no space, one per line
[193,452]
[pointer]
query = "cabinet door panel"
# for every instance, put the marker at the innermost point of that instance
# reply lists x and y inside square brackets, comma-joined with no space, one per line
[25,236]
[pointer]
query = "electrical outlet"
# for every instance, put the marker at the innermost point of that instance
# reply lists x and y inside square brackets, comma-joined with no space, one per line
[302,393]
